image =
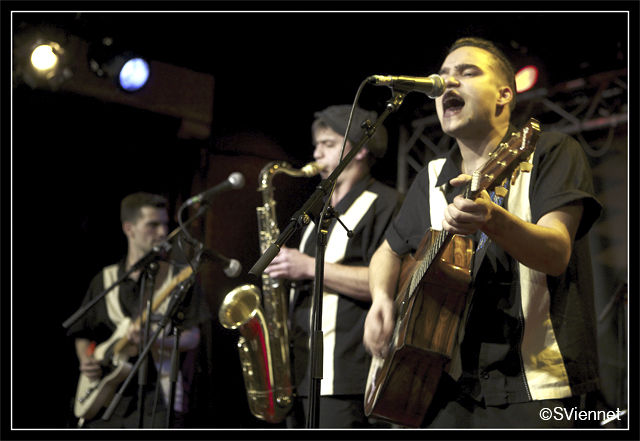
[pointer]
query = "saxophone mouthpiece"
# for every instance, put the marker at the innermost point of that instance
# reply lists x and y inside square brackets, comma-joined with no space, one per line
[312,169]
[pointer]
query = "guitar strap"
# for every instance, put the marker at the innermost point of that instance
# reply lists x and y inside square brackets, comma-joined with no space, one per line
[483,241]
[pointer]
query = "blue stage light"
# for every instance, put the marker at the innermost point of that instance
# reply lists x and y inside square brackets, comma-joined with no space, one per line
[134,74]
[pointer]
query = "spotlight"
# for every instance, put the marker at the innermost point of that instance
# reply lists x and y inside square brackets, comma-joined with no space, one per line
[526,78]
[44,57]
[40,58]
[129,71]
[134,74]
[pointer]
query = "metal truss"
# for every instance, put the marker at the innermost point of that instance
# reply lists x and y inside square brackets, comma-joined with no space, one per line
[590,109]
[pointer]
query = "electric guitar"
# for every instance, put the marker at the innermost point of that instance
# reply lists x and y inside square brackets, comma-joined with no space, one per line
[431,297]
[113,354]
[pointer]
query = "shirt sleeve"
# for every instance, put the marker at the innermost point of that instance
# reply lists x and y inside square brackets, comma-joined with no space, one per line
[563,176]
[410,225]
[386,208]
[89,325]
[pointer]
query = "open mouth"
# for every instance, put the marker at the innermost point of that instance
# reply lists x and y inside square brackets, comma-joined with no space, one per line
[452,103]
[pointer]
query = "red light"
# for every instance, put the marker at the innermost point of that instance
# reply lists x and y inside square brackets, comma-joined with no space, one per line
[526,78]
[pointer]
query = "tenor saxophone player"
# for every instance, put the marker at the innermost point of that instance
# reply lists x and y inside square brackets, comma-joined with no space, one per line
[365,206]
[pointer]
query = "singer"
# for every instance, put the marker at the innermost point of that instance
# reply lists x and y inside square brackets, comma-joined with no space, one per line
[528,338]
[365,206]
[145,221]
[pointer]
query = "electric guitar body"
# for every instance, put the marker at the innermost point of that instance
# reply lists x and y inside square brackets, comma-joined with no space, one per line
[114,353]
[92,395]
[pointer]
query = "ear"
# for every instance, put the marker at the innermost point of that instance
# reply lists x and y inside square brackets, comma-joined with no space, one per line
[127,228]
[505,95]
[362,154]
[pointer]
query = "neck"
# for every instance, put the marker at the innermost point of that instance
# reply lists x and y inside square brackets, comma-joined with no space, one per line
[339,192]
[475,151]
[345,183]
[133,255]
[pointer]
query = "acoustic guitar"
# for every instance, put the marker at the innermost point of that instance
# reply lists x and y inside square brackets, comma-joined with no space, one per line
[431,297]
[113,354]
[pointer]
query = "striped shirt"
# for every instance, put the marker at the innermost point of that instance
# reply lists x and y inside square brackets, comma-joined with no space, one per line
[367,210]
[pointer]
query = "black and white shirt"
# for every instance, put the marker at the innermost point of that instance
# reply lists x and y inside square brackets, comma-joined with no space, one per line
[528,335]
[367,209]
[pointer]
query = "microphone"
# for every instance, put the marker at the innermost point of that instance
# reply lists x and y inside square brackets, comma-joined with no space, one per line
[233,182]
[432,86]
[232,268]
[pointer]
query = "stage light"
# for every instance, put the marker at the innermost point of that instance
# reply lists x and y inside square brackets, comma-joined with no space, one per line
[129,71]
[41,58]
[134,74]
[44,57]
[526,78]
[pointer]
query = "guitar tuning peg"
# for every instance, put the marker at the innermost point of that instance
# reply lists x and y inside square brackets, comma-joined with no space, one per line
[525,167]
[501,191]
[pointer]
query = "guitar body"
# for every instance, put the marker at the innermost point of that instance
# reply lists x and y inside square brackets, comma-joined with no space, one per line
[91,395]
[114,353]
[401,386]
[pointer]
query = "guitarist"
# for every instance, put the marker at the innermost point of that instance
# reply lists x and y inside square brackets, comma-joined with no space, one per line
[145,221]
[529,338]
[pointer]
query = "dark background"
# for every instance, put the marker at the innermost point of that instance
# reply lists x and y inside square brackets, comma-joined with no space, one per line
[74,157]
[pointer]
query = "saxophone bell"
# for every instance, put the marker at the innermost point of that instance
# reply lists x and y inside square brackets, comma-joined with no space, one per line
[239,306]
[261,317]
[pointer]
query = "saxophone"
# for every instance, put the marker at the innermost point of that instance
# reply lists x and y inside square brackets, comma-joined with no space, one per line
[264,343]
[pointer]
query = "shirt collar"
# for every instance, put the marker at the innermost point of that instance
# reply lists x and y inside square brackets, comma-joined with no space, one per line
[122,265]
[353,194]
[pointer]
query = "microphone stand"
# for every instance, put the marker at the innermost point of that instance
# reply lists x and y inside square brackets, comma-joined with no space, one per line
[316,207]
[177,296]
[317,348]
[149,276]
[175,368]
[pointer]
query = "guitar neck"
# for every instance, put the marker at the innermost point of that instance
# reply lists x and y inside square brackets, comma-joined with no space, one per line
[157,301]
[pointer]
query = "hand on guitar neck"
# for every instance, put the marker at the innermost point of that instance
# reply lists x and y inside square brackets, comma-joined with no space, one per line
[465,216]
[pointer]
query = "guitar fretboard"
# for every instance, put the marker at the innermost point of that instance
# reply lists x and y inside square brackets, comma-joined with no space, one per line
[441,237]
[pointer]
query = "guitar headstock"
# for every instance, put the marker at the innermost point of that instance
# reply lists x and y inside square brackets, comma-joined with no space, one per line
[504,160]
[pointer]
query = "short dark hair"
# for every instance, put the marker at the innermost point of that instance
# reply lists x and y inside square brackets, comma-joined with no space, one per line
[336,118]
[132,204]
[504,65]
